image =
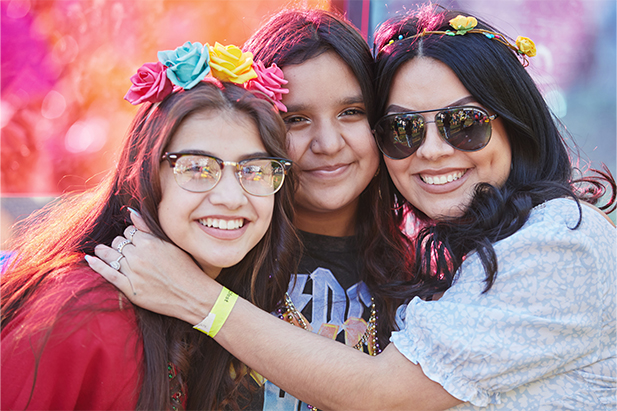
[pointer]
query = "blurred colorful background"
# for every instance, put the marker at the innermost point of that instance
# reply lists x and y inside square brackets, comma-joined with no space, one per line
[65,67]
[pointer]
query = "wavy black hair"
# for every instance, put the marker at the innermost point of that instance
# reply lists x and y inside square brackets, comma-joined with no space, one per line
[540,169]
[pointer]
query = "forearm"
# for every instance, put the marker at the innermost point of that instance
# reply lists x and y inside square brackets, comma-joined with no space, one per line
[193,299]
[325,373]
[317,370]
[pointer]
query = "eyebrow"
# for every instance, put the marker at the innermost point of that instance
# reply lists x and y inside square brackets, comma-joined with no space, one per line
[208,153]
[353,100]
[359,99]
[394,108]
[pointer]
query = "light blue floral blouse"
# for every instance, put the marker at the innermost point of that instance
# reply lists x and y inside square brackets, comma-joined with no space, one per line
[543,337]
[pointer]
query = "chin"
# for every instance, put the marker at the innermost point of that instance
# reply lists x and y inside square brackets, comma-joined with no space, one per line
[444,212]
[218,264]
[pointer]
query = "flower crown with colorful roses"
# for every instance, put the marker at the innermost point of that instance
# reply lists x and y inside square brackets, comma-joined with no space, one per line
[524,46]
[188,65]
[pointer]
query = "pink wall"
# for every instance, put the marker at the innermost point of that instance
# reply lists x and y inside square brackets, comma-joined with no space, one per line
[66,66]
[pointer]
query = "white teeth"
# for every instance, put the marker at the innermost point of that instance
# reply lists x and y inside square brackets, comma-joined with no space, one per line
[439,180]
[222,224]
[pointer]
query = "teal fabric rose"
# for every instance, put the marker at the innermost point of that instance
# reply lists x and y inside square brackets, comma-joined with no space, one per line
[186,65]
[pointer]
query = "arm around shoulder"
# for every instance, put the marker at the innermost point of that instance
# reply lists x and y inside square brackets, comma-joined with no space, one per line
[325,373]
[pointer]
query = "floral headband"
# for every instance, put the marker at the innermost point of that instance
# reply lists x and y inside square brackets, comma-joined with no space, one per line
[524,47]
[186,66]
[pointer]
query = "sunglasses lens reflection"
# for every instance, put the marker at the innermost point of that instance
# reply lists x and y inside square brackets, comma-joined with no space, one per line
[400,135]
[466,129]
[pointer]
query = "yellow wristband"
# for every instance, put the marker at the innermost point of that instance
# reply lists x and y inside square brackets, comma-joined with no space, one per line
[213,322]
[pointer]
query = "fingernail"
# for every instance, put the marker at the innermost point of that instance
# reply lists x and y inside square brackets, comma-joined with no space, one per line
[87,257]
[134,211]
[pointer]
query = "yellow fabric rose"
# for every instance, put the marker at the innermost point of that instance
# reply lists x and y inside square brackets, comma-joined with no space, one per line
[463,24]
[526,46]
[229,63]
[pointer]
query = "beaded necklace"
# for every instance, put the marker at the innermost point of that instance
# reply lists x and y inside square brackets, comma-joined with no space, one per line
[176,389]
[368,339]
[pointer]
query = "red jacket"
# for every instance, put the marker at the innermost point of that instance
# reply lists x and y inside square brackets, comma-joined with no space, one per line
[92,360]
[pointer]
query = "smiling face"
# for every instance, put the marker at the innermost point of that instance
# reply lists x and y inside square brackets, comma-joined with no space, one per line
[218,227]
[438,179]
[330,141]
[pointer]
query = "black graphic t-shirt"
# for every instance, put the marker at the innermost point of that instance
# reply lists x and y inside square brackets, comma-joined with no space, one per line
[331,298]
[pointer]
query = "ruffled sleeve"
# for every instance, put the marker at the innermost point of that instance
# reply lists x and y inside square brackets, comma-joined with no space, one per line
[548,311]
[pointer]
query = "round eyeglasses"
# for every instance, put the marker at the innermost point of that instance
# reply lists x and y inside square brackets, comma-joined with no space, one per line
[199,173]
[466,128]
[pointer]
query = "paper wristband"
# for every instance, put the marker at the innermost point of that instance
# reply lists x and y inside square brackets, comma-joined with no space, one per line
[219,313]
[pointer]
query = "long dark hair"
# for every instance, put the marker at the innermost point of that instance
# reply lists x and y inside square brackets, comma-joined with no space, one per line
[540,169]
[53,241]
[294,36]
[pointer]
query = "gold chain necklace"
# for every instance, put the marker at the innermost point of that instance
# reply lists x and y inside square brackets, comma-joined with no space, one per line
[369,338]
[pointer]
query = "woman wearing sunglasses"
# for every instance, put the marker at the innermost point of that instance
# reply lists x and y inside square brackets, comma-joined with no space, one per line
[520,268]
[204,162]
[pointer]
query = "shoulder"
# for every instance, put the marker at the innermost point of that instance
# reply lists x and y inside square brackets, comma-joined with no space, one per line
[556,243]
[78,287]
[73,299]
[96,307]
[600,212]
[87,354]
[95,290]
[566,211]
[562,219]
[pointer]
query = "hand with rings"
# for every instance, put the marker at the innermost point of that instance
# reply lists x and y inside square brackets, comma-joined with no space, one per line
[154,274]
[119,247]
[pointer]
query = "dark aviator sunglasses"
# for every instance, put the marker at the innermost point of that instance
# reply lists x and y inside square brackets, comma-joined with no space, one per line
[466,128]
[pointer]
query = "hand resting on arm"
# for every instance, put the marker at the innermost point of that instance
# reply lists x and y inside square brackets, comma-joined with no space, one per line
[160,277]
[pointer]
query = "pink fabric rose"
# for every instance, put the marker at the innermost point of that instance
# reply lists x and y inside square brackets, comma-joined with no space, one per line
[269,81]
[150,83]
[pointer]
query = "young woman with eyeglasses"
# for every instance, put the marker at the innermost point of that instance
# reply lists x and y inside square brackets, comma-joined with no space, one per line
[526,267]
[206,167]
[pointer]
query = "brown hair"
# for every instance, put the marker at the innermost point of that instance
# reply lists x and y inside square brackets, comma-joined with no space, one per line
[294,36]
[53,240]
